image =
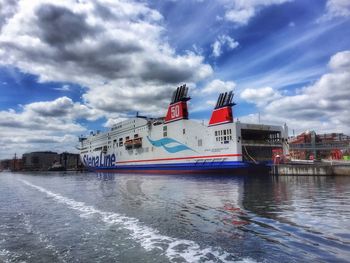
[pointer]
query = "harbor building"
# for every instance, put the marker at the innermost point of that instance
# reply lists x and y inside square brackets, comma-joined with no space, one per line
[11,164]
[70,161]
[39,161]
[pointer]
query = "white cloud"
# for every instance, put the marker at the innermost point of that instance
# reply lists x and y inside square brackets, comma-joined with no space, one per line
[89,43]
[340,61]
[208,94]
[260,96]
[323,106]
[211,103]
[337,8]
[221,42]
[116,50]
[41,125]
[57,115]
[241,11]
[112,121]
[216,86]
[63,88]
[240,16]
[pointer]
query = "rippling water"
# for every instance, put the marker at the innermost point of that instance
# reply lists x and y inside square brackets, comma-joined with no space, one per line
[68,217]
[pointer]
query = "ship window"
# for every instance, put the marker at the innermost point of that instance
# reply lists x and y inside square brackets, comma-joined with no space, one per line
[200,142]
[224,132]
[165,134]
[136,135]
[120,142]
[216,133]
[165,128]
[183,131]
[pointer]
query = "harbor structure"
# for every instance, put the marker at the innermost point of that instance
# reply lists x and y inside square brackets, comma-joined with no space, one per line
[311,168]
[175,143]
[310,145]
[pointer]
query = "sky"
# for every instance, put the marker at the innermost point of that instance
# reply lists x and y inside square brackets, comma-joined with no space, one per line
[71,66]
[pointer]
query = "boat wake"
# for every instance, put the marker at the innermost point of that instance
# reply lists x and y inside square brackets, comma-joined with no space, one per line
[176,250]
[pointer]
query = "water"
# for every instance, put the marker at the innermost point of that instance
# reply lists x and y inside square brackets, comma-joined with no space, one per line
[60,217]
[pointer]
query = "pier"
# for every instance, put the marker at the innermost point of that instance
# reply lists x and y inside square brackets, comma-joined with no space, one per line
[331,168]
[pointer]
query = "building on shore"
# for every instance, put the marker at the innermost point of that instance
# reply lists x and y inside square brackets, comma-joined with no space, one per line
[11,164]
[70,161]
[39,161]
[43,161]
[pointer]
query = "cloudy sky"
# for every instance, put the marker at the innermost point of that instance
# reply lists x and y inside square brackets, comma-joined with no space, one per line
[71,66]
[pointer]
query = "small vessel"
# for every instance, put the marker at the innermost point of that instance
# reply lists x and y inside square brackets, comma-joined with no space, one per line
[177,144]
[56,167]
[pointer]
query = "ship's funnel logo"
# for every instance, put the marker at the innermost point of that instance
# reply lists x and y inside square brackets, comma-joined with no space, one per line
[170,145]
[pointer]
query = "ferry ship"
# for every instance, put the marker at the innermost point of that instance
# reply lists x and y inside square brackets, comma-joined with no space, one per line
[177,144]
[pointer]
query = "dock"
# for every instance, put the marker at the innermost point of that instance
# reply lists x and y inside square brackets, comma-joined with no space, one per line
[329,168]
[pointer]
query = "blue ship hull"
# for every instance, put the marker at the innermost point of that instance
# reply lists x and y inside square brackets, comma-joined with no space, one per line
[237,168]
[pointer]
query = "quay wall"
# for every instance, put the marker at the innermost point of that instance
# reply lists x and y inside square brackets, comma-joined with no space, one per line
[311,169]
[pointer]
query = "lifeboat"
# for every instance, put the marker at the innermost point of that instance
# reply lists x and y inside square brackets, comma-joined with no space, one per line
[128,144]
[137,142]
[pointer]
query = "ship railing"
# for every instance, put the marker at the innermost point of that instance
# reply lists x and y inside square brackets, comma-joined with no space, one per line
[320,146]
[261,143]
